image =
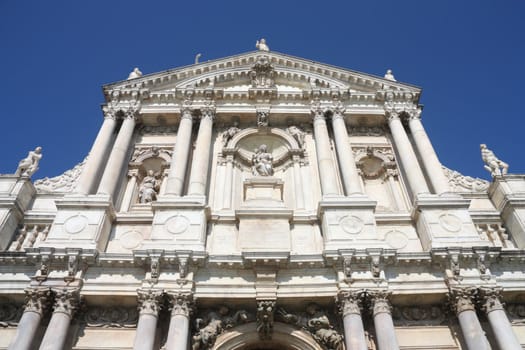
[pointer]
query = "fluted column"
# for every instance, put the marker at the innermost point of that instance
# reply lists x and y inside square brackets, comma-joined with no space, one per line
[383,323]
[178,333]
[37,301]
[118,154]
[179,160]
[463,305]
[345,155]
[324,154]
[427,155]
[499,322]
[90,172]
[201,158]
[149,307]
[409,162]
[350,305]
[66,303]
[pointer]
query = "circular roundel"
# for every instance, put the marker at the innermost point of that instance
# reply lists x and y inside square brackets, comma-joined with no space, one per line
[177,224]
[75,224]
[450,222]
[396,239]
[351,224]
[130,239]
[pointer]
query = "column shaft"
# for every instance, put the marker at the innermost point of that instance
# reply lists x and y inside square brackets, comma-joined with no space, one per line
[472,331]
[298,180]
[228,183]
[178,333]
[117,157]
[179,161]
[428,156]
[97,155]
[409,162]
[324,156]
[345,156]
[502,329]
[25,332]
[354,332]
[128,195]
[201,157]
[56,332]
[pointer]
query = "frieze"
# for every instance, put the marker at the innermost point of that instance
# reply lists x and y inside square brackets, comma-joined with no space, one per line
[366,131]
[142,153]
[10,313]
[64,183]
[317,322]
[111,317]
[158,129]
[516,312]
[423,315]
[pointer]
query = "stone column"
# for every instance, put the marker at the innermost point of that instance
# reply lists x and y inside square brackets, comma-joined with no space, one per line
[90,172]
[298,182]
[501,327]
[463,305]
[201,158]
[178,333]
[427,154]
[324,154]
[179,160]
[409,162]
[149,307]
[66,303]
[344,152]
[227,195]
[37,301]
[130,188]
[118,154]
[383,324]
[350,306]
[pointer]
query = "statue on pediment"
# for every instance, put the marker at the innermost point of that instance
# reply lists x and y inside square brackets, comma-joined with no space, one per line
[262,162]
[149,188]
[29,165]
[493,164]
[389,75]
[261,45]
[136,73]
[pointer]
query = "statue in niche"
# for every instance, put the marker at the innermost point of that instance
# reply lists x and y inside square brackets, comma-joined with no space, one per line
[29,165]
[149,188]
[213,324]
[262,162]
[315,321]
[261,45]
[297,134]
[228,134]
[492,163]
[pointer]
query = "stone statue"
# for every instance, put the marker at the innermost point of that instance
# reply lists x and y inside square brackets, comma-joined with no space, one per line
[149,188]
[230,133]
[297,134]
[136,73]
[261,45]
[262,162]
[493,165]
[317,323]
[29,165]
[197,56]
[213,324]
[389,75]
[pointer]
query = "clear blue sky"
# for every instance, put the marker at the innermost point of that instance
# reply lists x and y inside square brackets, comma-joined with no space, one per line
[468,56]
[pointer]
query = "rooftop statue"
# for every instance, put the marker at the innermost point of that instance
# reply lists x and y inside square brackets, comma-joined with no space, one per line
[492,163]
[261,45]
[262,162]
[136,73]
[389,75]
[29,165]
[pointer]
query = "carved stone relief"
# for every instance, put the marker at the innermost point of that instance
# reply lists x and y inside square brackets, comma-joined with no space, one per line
[265,318]
[262,74]
[111,317]
[461,183]
[423,315]
[9,313]
[63,183]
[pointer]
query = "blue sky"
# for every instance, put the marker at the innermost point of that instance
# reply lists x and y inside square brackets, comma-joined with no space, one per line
[469,58]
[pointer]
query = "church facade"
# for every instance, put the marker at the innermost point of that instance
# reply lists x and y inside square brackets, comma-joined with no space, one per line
[262,201]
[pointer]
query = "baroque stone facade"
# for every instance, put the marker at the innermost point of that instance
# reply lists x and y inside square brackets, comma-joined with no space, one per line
[262,201]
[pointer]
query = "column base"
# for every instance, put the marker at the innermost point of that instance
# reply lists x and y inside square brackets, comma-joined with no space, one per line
[81,222]
[444,221]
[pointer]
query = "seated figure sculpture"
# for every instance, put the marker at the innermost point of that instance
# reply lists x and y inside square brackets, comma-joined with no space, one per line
[149,188]
[262,162]
[29,165]
[493,164]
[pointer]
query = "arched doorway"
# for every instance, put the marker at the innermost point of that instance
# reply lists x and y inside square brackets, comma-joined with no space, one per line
[284,337]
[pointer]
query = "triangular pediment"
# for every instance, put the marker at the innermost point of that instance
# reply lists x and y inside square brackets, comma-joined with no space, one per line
[231,75]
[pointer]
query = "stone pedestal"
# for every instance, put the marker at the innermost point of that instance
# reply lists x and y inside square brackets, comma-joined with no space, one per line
[15,195]
[81,222]
[348,222]
[179,223]
[508,195]
[444,221]
[263,211]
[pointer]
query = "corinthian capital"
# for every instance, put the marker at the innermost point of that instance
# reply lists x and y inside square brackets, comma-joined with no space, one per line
[317,111]
[463,299]
[37,300]
[66,301]
[208,111]
[181,303]
[380,303]
[149,301]
[490,299]
[338,109]
[351,302]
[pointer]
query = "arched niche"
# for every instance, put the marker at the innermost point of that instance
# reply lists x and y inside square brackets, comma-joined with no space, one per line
[284,337]
[280,144]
